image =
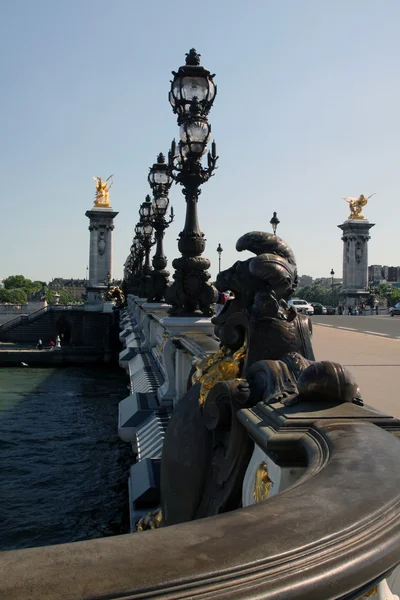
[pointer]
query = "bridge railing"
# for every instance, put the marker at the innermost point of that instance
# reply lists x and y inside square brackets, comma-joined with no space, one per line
[335,534]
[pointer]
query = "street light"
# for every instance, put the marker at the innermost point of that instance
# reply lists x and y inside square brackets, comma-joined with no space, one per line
[274,222]
[332,274]
[160,182]
[134,270]
[219,250]
[145,230]
[191,97]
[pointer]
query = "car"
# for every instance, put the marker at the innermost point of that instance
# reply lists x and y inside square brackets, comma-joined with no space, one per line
[319,309]
[394,310]
[330,310]
[302,306]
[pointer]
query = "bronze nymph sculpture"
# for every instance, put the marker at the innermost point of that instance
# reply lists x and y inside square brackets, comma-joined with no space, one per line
[266,357]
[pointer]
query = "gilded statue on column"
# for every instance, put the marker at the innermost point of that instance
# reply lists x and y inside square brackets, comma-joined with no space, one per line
[356,205]
[102,199]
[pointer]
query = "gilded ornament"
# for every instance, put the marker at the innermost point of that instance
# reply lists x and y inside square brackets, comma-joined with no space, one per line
[356,205]
[262,483]
[153,520]
[220,366]
[102,199]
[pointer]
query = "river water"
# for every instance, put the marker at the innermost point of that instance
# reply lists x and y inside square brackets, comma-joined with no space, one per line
[63,470]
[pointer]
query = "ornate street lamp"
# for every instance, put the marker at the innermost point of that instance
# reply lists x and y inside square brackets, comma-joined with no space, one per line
[145,229]
[332,274]
[274,222]
[192,95]
[160,182]
[219,250]
[135,262]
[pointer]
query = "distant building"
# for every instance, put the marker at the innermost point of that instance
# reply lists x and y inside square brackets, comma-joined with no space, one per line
[383,274]
[327,281]
[393,274]
[76,287]
[375,274]
[305,280]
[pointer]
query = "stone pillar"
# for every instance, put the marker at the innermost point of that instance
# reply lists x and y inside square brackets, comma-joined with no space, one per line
[100,253]
[355,260]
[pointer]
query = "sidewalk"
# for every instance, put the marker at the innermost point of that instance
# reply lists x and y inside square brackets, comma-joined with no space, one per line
[373,360]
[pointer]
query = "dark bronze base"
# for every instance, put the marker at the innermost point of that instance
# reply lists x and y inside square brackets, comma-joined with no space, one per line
[191,294]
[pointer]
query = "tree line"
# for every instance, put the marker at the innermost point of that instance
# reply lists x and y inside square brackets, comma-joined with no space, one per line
[17,289]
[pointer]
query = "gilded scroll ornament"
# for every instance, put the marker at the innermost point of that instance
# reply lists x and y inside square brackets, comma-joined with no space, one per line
[262,483]
[220,366]
[153,520]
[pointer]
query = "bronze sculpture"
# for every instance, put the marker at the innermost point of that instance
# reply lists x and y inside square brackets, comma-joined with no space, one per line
[356,205]
[266,357]
[102,192]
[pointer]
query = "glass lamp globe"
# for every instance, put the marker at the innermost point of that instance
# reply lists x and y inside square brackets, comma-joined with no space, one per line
[192,81]
[160,205]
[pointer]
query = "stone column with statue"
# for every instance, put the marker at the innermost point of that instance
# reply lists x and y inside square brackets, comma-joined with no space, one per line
[101,226]
[355,253]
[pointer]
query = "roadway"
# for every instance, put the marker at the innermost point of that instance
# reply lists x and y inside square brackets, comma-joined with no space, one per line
[369,346]
[378,325]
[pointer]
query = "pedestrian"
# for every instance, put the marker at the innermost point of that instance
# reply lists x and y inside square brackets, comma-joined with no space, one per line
[39,345]
[219,305]
[349,311]
[377,309]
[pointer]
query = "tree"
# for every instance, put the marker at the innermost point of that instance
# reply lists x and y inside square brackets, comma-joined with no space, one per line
[16,282]
[19,282]
[14,296]
[65,296]
[4,295]
[315,293]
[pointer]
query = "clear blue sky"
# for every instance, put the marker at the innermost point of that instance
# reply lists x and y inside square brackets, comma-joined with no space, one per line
[307,112]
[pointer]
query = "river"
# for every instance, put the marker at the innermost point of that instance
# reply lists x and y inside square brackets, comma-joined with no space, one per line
[63,470]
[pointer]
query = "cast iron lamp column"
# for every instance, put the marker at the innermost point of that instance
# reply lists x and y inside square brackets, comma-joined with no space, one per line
[136,262]
[332,274]
[145,212]
[274,222]
[220,251]
[160,182]
[192,95]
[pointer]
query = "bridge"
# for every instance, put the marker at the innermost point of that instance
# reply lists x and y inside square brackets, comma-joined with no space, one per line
[324,524]
[261,471]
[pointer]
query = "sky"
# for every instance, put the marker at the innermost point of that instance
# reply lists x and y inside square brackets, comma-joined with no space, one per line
[307,112]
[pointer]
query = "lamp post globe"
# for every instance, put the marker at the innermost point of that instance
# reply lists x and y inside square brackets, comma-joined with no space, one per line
[160,181]
[146,209]
[274,222]
[145,230]
[159,178]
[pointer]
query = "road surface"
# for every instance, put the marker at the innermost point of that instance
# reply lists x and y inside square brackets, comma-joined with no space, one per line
[370,348]
[381,326]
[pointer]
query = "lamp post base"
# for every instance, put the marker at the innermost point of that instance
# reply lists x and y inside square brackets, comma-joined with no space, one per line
[191,293]
[157,285]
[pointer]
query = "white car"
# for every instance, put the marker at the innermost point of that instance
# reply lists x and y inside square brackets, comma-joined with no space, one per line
[302,306]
